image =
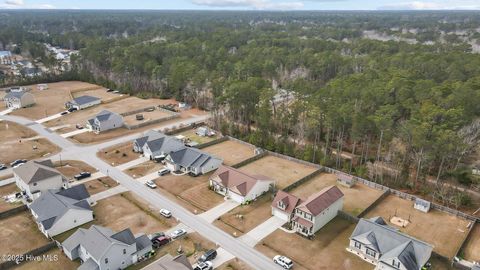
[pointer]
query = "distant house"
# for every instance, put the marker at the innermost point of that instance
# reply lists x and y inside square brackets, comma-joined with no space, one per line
[193,161]
[422,205]
[239,186]
[101,248]
[168,262]
[105,120]
[312,214]
[42,86]
[83,102]
[57,211]
[35,177]
[156,145]
[18,99]
[284,204]
[204,132]
[345,180]
[31,71]
[150,135]
[386,247]
[5,58]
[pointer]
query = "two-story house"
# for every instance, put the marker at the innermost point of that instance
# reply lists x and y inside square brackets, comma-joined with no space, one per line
[284,205]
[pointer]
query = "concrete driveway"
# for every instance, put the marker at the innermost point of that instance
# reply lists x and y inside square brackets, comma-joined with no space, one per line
[132,163]
[75,132]
[217,211]
[108,193]
[48,118]
[261,231]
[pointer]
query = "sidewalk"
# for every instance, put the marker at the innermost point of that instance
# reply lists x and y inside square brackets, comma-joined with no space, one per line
[132,163]
[261,231]
[217,211]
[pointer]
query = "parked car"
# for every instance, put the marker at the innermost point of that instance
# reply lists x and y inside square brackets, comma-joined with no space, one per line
[209,255]
[204,266]
[17,165]
[78,126]
[156,235]
[151,184]
[82,175]
[177,233]
[283,261]
[165,213]
[160,241]
[116,92]
[72,109]
[18,161]
[2,167]
[163,172]
[109,90]
[63,113]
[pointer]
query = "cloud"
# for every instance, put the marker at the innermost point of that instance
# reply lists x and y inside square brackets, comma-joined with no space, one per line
[420,5]
[256,4]
[14,2]
[20,4]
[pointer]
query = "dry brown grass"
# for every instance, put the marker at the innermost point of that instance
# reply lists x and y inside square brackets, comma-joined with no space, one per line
[234,264]
[7,190]
[20,234]
[194,137]
[471,250]
[147,116]
[231,152]
[144,169]
[100,184]
[57,260]
[70,168]
[118,154]
[202,197]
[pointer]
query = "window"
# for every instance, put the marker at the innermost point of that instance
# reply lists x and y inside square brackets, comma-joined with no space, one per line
[106,260]
[124,251]
[371,252]
[396,264]
[34,184]
[358,245]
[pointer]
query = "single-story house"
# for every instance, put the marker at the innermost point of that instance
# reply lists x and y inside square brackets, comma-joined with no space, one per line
[386,247]
[101,248]
[5,58]
[83,102]
[191,160]
[346,180]
[57,211]
[105,120]
[156,145]
[20,99]
[239,186]
[150,135]
[312,214]
[422,205]
[35,177]
[168,262]
[284,204]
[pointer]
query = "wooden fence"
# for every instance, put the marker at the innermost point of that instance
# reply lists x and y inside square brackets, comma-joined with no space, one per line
[207,144]
[29,256]
[12,212]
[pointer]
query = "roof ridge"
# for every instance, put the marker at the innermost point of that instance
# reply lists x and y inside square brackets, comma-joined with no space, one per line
[410,238]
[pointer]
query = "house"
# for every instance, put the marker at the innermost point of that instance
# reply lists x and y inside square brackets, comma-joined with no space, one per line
[150,135]
[35,177]
[284,204]
[5,58]
[104,120]
[101,248]
[387,248]
[239,186]
[345,180]
[31,71]
[83,102]
[156,145]
[42,86]
[57,211]
[168,262]
[476,267]
[313,213]
[18,99]
[193,161]
[204,132]
[422,205]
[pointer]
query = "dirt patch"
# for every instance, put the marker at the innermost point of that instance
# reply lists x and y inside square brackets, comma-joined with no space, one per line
[190,134]
[118,154]
[52,260]
[356,199]
[326,251]
[143,169]
[471,251]
[7,190]
[284,172]
[202,197]
[231,152]
[70,168]
[20,234]
[100,184]
[444,231]
[234,264]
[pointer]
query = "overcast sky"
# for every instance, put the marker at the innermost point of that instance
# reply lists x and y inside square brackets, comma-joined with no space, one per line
[245,4]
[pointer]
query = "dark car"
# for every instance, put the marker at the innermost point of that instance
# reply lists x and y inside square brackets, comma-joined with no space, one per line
[72,109]
[82,175]
[63,113]
[160,241]
[2,167]
[18,161]
[209,255]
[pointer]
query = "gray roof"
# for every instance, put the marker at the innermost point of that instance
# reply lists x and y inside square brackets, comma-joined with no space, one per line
[84,100]
[88,265]
[165,145]
[52,204]
[391,243]
[104,116]
[149,136]
[190,157]
[142,242]
[168,262]
[476,267]
[15,94]
[36,171]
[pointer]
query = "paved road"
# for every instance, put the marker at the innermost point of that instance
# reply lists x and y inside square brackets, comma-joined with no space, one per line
[72,151]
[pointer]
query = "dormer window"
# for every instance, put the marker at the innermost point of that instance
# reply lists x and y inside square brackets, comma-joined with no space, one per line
[396,264]
[281,205]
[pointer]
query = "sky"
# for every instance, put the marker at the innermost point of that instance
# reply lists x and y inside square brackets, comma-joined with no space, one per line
[245,4]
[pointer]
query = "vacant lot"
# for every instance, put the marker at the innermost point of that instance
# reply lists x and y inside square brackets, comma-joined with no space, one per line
[118,154]
[7,190]
[471,251]
[20,234]
[356,199]
[234,264]
[231,152]
[144,169]
[147,116]
[129,211]
[100,93]
[325,251]
[55,259]
[190,134]
[445,232]
[100,184]
[51,101]
[284,172]
[70,168]
[252,215]
[201,196]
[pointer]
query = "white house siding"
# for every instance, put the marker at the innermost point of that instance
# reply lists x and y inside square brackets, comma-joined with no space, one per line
[88,105]
[211,165]
[258,189]
[73,218]
[55,182]
[116,258]
[362,253]
[387,265]
[236,197]
[327,215]
[280,214]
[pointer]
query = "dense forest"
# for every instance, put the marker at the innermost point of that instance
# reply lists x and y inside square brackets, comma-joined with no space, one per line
[307,84]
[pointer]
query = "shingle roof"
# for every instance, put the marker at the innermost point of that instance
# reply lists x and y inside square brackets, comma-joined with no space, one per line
[84,100]
[168,262]
[291,201]
[236,180]
[89,264]
[142,242]
[320,201]
[190,157]
[103,116]
[149,136]
[35,171]
[16,95]
[165,144]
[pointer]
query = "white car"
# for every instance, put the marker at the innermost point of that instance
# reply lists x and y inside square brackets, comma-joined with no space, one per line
[177,233]
[165,213]
[283,261]
[204,266]
[163,172]
[151,184]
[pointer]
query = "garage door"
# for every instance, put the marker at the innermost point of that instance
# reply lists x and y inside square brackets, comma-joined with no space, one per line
[280,214]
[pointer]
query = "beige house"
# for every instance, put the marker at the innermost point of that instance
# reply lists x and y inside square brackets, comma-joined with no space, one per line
[16,100]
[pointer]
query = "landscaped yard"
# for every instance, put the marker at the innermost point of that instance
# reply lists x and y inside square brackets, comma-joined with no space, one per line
[356,199]
[20,234]
[471,251]
[100,184]
[70,168]
[444,231]
[326,251]
[7,190]
[284,172]
[118,154]
[143,169]
[195,138]
[234,264]
[230,151]
[52,260]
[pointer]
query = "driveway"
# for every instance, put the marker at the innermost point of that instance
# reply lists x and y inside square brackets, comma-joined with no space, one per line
[132,163]
[7,181]
[217,211]
[48,118]
[148,177]
[261,231]
[108,193]
[75,132]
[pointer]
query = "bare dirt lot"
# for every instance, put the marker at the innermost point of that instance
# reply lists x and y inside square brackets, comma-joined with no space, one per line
[444,231]
[70,168]
[147,116]
[100,184]
[234,264]
[51,101]
[471,251]
[20,234]
[144,169]
[231,152]
[18,142]
[326,251]
[7,190]
[118,154]
[356,199]
[55,259]
[202,197]
[282,171]
[190,134]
